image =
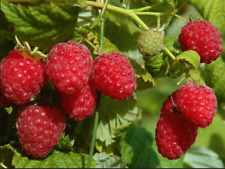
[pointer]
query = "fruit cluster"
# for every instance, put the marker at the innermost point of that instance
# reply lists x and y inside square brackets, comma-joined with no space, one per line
[200,36]
[185,110]
[76,79]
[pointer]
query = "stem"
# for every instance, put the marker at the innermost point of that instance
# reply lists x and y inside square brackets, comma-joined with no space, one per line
[102,34]
[35,49]
[96,113]
[158,22]
[127,12]
[143,9]
[91,44]
[178,16]
[181,80]
[93,140]
[169,53]
[149,13]
[3,165]
[18,43]
[138,20]
[104,8]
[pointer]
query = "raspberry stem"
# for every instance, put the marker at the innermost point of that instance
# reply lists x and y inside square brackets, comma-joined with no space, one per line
[91,44]
[35,49]
[168,52]
[178,16]
[127,12]
[93,140]
[143,9]
[3,165]
[149,13]
[158,22]
[96,113]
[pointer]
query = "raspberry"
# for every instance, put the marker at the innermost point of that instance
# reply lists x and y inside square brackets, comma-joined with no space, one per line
[202,37]
[174,133]
[114,76]
[39,129]
[150,42]
[69,66]
[78,105]
[22,78]
[197,103]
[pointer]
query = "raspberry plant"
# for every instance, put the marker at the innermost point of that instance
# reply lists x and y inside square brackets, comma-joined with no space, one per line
[112,83]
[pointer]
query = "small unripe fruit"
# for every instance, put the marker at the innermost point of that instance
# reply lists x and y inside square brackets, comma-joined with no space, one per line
[150,42]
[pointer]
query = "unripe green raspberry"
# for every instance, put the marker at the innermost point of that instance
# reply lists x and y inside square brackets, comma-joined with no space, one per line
[150,42]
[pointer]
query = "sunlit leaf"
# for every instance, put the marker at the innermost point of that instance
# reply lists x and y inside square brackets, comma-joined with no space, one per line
[56,159]
[199,157]
[104,160]
[42,25]
[189,57]
[114,114]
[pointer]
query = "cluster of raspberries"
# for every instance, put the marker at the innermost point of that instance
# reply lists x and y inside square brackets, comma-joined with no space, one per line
[199,35]
[185,110]
[76,79]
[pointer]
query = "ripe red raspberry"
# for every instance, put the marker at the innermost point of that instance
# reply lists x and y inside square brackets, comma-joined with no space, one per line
[114,76]
[197,103]
[174,133]
[39,129]
[22,78]
[78,105]
[69,66]
[202,37]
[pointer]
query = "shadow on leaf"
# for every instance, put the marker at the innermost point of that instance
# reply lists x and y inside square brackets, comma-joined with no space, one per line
[137,150]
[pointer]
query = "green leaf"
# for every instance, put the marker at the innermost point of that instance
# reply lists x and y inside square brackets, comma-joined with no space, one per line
[166,163]
[169,42]
[199,157]
[55,159]
[126,38]
[212,10]
[216,77]
[104,160]
[144,79]
[189,57]
[114,114]
[108,47]
[9,110]
[136,148]
[196,76]
[65,143]
[43,25]
[214,140]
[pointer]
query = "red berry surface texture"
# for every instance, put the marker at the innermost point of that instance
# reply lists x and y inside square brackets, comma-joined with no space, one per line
[114,76]
[78,105]
[69,66]
[202,37]
[174,133]
[39,129]
[22,78]
[197,103]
